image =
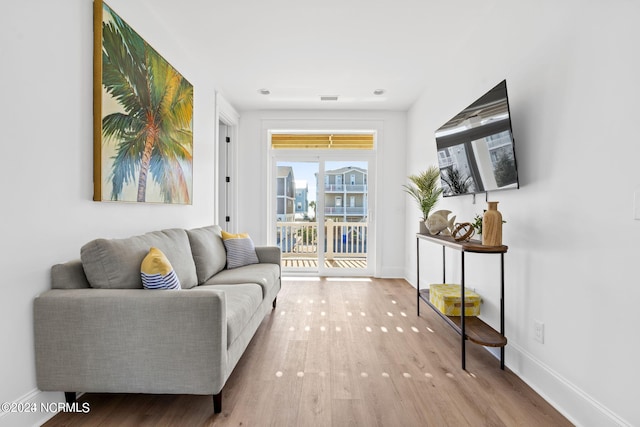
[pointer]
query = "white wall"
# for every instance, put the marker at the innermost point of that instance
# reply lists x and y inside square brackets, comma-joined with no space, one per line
[573,82]
[390,171]
[46,212]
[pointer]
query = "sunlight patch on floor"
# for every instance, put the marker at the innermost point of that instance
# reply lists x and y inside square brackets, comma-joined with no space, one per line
[364,374]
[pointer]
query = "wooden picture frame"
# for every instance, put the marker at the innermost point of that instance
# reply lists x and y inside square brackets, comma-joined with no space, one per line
[142,118]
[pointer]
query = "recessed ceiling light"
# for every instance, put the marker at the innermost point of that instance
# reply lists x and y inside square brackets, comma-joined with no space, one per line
[379,92]
[264,91]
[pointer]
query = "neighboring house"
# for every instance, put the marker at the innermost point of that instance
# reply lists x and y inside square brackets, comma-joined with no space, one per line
[302,199]
[345,194]
[285,204]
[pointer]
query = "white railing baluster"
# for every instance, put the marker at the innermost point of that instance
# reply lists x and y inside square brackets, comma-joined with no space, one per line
[344,239]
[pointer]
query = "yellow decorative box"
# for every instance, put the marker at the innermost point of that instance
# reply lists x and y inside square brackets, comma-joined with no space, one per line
[446,298]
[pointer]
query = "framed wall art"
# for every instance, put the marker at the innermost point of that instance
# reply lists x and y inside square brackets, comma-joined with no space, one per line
[143,118]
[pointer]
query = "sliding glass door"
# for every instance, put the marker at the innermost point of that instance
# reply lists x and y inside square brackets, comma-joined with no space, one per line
[322,213]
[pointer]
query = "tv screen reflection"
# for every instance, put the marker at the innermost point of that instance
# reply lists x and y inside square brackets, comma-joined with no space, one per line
[476,147]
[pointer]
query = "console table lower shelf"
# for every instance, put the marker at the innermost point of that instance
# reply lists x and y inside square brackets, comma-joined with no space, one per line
[476,330]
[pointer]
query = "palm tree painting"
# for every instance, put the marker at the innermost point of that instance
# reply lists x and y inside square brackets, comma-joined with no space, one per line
[145,120]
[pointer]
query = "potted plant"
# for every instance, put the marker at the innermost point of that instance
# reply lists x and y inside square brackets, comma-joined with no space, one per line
[424,189]
[477,225]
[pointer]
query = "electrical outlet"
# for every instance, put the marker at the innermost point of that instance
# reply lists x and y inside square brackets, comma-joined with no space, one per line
[538,331]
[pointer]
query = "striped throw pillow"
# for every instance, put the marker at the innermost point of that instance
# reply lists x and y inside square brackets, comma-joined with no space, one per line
[240,250]
[157,273]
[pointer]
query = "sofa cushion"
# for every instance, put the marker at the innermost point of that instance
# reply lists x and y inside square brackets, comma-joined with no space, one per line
[156,271]
[242,301]
[240,250]
[208,251]
[115,263]
[265,275]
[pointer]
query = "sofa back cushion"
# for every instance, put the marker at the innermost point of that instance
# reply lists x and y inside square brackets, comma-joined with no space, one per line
[208,251]
[115,263]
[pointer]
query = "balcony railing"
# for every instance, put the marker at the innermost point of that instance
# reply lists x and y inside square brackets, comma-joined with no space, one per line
[342,239]
[341,210]
[341,188]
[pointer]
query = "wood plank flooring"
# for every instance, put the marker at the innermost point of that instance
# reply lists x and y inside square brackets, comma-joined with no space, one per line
[344,353]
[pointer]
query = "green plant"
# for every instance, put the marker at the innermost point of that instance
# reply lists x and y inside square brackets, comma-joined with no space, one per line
[424,189]
[477,223]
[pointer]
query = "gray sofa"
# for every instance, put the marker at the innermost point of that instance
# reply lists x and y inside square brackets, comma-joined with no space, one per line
[98,330]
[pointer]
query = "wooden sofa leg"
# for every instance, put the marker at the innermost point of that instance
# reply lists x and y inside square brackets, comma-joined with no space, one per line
[70,397]
[217,403]
[274,302]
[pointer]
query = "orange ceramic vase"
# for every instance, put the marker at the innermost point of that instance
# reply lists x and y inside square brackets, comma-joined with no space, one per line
[492,226]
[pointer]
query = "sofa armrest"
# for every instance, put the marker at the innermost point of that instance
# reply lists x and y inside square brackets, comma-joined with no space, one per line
[131,340]
[268,254]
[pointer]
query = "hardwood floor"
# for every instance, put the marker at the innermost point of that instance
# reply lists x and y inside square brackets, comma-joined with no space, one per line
[344,353]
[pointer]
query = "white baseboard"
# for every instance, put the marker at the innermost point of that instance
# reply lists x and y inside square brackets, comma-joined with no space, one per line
[31,409]
[572,402]
[391,273]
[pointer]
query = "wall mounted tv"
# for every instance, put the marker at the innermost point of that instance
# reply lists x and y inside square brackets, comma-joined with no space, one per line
[476,148]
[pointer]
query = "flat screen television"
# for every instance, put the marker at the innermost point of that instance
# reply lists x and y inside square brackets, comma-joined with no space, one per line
[476,151]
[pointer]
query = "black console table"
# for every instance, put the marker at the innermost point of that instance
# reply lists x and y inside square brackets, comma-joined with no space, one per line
[469,327]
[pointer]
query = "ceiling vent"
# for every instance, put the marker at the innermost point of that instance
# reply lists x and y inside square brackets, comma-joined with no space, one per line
[328,97]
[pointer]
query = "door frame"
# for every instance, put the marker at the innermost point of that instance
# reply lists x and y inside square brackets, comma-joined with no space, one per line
[226,200]
[322,157]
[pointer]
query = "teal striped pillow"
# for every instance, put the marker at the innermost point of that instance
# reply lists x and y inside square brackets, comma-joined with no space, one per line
[240,250]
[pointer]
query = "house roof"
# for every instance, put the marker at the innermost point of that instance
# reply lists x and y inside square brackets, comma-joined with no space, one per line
[346,169]
[284,171]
